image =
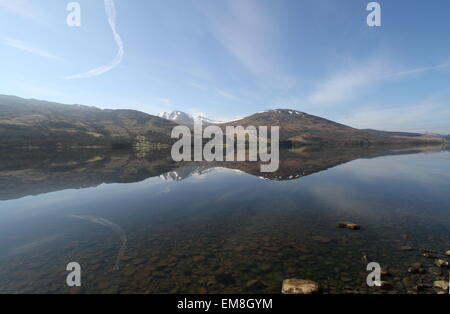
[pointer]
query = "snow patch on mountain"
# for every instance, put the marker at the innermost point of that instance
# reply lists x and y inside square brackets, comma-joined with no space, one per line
[184,118]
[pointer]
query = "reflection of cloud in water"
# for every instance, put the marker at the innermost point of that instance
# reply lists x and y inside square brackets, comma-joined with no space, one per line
[32,245]
[166,190]
[412,168]
[109,224]
[340,198]
[404,184]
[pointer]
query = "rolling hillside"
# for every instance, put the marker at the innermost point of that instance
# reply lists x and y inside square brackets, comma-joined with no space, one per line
[29,122]
[299,128]
[36,123]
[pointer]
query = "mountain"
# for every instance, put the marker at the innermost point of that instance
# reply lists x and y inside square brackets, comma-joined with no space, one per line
[183,118]
[36,123]
[30,122]
[298,128]
[439,135]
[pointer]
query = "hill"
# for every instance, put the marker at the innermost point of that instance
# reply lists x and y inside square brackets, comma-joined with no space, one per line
[36,123]
[299,128]
[30,122]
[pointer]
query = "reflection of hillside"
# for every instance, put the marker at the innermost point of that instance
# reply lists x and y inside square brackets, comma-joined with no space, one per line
[187,170]
[35,172]
[304,161]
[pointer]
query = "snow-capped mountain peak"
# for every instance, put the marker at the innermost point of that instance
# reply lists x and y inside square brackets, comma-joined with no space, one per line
[184,118]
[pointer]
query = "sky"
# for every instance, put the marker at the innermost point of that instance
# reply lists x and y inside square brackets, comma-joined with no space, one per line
[231,58]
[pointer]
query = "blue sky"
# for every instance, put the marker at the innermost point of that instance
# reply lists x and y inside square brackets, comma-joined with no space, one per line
[227,59]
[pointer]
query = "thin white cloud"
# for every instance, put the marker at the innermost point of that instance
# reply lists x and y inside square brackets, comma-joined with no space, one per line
[197,85]
[418,70]
[165,101]
[25,8]
[348,84]
[246,31]
[111,14]
[345,85]
[21,45]
[227,95]
[429,116]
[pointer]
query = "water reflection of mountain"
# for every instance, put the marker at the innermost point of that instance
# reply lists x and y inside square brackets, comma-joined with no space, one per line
[301,162]
[187,170]
[31,172]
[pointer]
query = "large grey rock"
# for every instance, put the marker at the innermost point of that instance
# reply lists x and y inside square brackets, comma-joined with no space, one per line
[441,284]
[300,286]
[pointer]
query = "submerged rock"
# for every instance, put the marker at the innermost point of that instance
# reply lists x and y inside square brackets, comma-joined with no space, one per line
[365,259]
[255,285]
[198,258]
[321,239]
[409,282]
[224,278]
[447,253]
[386,285]
[405,237]
[428,255]
[437,272]
[416,268]
[405,248]
[265,268]
[348,225]
[300,286]
[441,263]
[420,287]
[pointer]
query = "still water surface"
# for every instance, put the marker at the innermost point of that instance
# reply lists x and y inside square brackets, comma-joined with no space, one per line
[147,225]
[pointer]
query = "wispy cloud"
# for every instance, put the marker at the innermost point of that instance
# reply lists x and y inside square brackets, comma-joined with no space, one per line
[348,84]
[227,95]
[111,14]
[197,85]
[18,44]
[345,85]
[26,9]
[164,101]
[427,116]
[418,70]
[246,31]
